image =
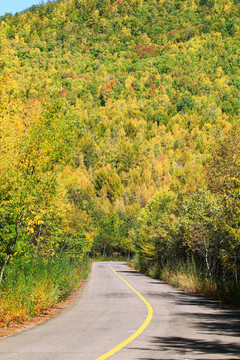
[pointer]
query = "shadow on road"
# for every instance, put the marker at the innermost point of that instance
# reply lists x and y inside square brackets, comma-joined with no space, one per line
[208,316]
[211,320]
[130,272]
[183,346]
[211,317]
[221,324]
[226,323]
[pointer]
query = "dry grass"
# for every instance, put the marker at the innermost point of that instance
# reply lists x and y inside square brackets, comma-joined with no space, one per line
[43,316]
[190,282]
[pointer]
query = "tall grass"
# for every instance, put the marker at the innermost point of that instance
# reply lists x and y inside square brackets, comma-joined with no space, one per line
[195,280]
[191,277]
[29,287]
[187,276]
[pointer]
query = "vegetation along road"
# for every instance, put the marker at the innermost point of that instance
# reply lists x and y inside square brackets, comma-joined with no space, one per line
[123,314]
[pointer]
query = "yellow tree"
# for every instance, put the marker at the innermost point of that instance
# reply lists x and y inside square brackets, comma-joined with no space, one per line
[36,140]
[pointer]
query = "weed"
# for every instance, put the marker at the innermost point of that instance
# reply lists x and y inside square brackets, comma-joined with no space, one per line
[31,287]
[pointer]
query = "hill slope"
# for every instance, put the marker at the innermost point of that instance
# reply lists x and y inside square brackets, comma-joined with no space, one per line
[120,127]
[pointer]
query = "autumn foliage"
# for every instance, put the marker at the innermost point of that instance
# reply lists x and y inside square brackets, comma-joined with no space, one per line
[119,125]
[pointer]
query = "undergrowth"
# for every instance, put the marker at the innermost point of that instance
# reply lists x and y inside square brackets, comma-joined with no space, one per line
[31,287]
[191,278]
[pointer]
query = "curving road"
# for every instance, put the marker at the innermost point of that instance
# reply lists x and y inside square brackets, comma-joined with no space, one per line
[107,312]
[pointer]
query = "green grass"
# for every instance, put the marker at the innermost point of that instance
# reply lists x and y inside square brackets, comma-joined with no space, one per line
[30,287]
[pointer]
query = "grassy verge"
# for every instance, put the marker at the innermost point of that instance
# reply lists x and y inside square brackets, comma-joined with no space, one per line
[30,287]
[192,279]
[185,279]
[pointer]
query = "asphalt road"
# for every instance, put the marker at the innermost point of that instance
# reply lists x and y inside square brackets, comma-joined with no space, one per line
[107,312]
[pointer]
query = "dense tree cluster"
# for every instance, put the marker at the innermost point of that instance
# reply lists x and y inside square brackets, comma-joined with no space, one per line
[120,131]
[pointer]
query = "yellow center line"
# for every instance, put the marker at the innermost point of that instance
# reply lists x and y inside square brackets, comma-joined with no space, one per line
[139,330]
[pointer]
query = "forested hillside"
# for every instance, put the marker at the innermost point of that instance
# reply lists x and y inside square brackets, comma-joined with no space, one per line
[120,134]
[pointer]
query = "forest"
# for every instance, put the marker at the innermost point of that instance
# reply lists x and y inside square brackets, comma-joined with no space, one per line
[120,137]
